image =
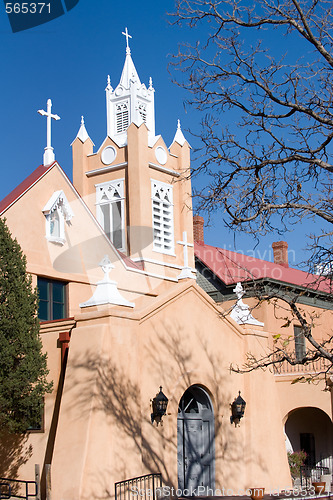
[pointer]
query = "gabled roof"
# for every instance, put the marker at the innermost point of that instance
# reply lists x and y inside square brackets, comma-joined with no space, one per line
[32,179]
[232,267]
[24,187]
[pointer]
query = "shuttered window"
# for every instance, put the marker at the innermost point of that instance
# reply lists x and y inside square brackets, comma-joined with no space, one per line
[122,117]
[163,226]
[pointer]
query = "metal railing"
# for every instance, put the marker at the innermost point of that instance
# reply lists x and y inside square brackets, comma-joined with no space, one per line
[310,474]
[143,487]
[317,366]
[15,488]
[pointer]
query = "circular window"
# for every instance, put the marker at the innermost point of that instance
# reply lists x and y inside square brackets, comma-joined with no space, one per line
[108,155]
[161,155]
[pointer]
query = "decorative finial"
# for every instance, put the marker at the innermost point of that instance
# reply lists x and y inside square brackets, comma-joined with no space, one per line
[150,83]
[49,156]
[186,271]
[128,50]
[82,120]
[108,87]
[178,125]
[106,266]
[238,290]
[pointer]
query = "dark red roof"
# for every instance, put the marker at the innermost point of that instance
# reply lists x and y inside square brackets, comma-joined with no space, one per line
[231,267]
[23,187]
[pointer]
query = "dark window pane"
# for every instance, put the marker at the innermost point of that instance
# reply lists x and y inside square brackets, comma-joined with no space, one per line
[300,347]
[117,234]
[43,311]
[51,299]
[106,219]
[58,310]
[58,291]
[43,288]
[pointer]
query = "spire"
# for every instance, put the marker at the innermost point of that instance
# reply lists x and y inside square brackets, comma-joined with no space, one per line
[179,136]
[82,133]
[129,72]
[130,102]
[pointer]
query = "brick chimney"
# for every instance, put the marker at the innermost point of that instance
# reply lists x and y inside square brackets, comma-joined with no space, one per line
[280,251]
[198,229]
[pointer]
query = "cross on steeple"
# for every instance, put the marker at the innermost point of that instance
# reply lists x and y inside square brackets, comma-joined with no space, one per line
[186,271]
[128,50]
[49,156]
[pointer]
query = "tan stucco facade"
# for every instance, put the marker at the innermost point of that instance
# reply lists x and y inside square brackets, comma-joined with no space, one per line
[108,361]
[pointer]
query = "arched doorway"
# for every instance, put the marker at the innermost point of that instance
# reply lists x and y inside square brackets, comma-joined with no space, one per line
[310,429]
[195,440]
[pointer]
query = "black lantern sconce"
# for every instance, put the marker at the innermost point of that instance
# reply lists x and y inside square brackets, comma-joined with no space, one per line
[237,410]
[159,407]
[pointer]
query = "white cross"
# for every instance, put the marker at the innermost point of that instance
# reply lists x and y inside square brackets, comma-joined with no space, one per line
[49,156]
[106,266]
[186,271]
[127,37]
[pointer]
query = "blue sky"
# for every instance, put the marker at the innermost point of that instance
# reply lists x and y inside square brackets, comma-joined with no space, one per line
[68,60]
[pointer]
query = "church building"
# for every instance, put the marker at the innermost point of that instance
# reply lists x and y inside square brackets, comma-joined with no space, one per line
[135,323]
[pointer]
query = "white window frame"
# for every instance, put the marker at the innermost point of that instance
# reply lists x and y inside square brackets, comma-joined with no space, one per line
[117,113]
[58,205]
[162,202]
[108,189]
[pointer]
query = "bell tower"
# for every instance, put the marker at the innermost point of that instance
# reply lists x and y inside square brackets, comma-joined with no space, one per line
[130,102]
[138,188]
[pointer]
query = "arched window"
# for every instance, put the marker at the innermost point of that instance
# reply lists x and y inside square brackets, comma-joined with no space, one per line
[110,211]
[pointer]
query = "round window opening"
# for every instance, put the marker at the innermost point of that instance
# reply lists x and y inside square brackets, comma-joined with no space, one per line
[161,155]
[108,155]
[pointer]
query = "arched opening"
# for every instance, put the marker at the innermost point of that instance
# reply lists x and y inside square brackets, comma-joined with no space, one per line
[195,441]
[310,429]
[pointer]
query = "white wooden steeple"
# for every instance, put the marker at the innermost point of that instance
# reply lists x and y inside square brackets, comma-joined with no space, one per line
[131,101]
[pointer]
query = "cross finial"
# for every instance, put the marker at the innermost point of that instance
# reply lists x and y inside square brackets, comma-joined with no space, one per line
[49,156]
[150,83]
[126,34]
[106,266]
[82,120]
[186,270]
[178,125]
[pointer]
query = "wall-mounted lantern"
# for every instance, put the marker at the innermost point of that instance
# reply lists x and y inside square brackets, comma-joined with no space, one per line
[159,407]
[237,410]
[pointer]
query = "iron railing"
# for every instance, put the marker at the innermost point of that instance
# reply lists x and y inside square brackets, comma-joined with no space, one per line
[310,474]
[15,488]
[285,368]
[141,487]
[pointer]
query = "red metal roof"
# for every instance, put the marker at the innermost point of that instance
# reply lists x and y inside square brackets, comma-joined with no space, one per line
[23,187]
[231,267]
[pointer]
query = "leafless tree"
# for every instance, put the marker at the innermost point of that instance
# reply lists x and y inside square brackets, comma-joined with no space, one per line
[263,78]
[316,355]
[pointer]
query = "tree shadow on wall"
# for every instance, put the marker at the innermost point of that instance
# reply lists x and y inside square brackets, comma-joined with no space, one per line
[118,397]
[124,403]
[14,452]
[174,341]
